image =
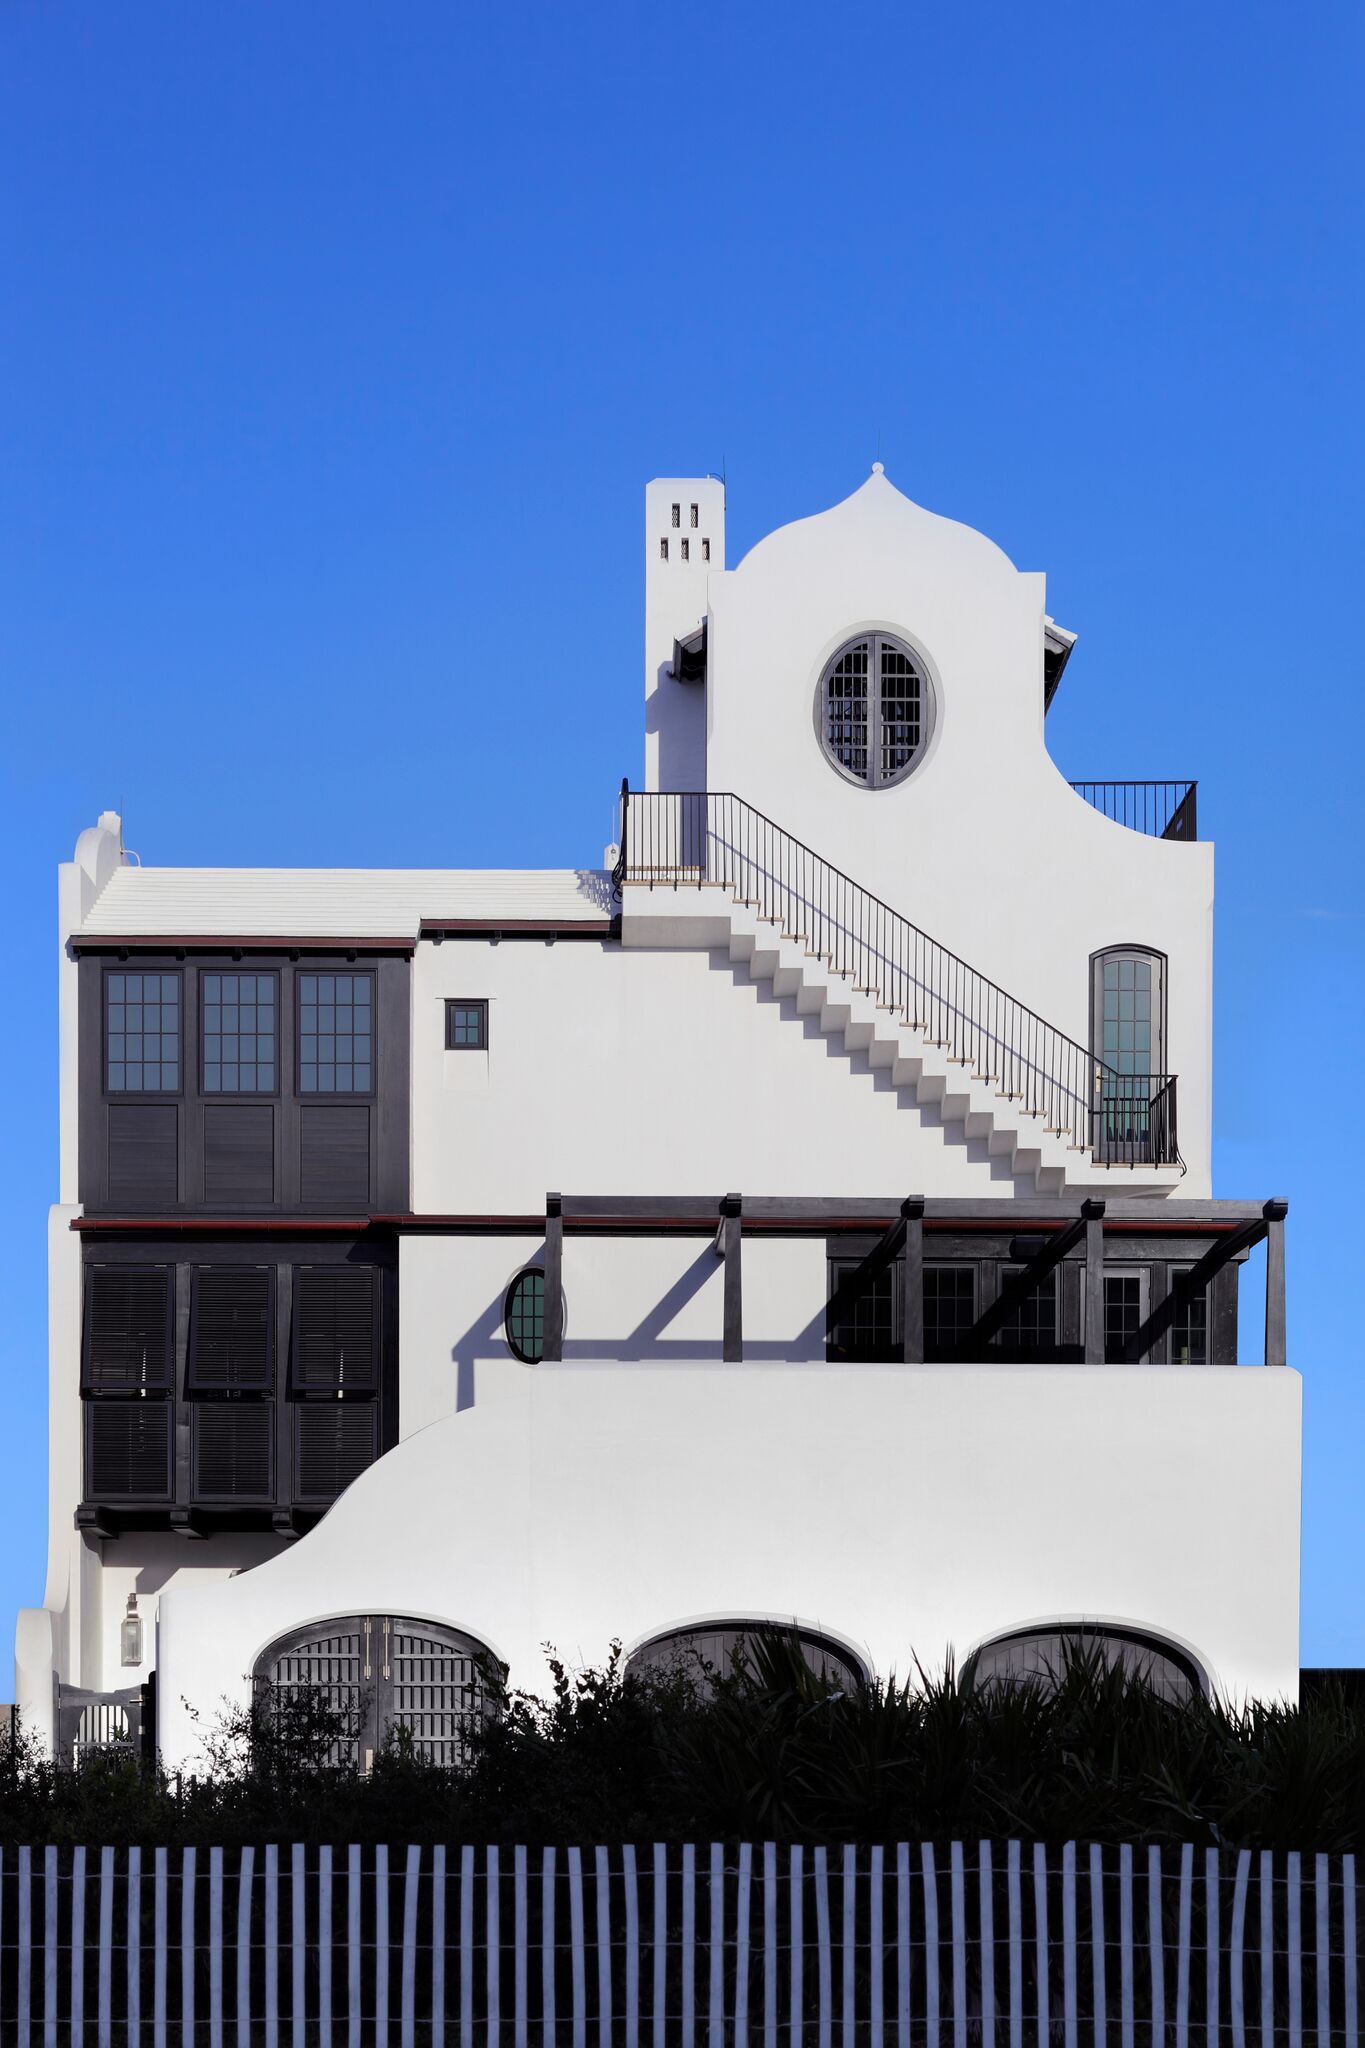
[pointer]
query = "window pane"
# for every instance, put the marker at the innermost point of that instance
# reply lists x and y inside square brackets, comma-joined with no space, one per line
[846,710]
[949,1309]
[1190,1327]
[525,1314]
[1122,1313]
[1031,1330]
[335,1046]
[141,1038]
[866,1327]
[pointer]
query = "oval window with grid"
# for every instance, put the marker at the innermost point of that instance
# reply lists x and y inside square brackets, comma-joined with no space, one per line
[874,710]
[523,1316]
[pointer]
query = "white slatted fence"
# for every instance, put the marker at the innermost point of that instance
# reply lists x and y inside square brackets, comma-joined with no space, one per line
[981,1945]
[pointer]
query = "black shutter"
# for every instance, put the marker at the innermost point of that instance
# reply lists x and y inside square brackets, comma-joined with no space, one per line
[334,1444]
[128,1450]
[233,1450]
[336,1329]
[128,1339]
[239,1154]
[232,1329]
[334,1156]
[143,1147]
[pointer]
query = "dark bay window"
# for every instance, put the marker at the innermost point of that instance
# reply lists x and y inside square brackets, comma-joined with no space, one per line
[336,1034]
[142,1033]
[239,1033]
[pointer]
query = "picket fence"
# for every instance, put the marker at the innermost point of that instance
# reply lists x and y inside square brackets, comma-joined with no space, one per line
[906,1946]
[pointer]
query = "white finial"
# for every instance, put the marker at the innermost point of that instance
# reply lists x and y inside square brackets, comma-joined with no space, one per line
[877,469]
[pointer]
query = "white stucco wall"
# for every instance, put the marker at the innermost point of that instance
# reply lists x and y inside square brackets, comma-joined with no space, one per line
[591,1501]
[985,846]
[621,1071]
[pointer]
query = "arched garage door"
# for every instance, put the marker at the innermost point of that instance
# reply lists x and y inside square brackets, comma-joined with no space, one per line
[719,1644]
[1040,1656]
[379,1671]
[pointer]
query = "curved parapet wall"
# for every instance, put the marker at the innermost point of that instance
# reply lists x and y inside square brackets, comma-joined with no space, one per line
[591,1502]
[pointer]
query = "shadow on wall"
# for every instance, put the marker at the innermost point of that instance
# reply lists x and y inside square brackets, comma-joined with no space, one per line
[645,1344]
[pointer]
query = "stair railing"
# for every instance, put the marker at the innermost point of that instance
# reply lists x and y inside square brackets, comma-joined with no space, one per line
[701,838]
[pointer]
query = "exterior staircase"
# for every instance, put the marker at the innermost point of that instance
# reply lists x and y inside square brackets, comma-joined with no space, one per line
[705,869]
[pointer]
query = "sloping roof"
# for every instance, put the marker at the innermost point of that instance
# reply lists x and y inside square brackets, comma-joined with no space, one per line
[337,902]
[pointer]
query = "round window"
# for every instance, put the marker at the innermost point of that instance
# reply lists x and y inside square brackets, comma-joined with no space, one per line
[873,710]
[523,1316]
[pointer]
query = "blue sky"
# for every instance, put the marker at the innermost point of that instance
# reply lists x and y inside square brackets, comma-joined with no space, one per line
[337,343]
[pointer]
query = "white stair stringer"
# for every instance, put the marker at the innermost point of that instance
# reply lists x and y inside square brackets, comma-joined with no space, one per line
[708,917]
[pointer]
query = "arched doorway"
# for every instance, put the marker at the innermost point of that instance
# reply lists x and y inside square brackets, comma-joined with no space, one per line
[381,1671]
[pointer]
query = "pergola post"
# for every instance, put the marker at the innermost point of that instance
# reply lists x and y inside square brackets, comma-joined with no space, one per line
[1276,1345]
[732,1345]
[1093,1212]
[552,1346]
[912,1290]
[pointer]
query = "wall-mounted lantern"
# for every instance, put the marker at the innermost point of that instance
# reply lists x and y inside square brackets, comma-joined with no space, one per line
[130,1634]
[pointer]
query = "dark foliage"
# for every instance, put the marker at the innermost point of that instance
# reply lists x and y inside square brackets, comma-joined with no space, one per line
[767,1750]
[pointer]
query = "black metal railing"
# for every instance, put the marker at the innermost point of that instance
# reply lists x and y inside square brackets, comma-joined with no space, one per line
[713,838]
[1163,810]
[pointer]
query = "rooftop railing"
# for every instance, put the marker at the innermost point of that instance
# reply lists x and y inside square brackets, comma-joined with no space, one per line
[1163,810]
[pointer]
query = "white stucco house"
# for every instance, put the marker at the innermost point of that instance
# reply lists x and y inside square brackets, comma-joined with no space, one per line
[803,1218]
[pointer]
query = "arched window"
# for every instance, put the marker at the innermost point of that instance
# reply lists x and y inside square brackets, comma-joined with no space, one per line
[874,710]
[1040,1656]
[523,1316]
[374,1672]
[719,1645]
[1134,1116]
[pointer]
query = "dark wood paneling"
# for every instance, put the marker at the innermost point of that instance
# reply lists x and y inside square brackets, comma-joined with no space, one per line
[334,1155]
[143,1154]
[239,1155]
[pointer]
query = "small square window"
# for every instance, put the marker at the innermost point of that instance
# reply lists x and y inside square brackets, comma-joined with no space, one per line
[467,1024]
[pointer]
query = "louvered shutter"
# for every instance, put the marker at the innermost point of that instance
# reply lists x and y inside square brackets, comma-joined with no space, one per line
[128,1450]
[333,1445]
[128,1332]
[336,1330]
[232,1330]
[234,1450]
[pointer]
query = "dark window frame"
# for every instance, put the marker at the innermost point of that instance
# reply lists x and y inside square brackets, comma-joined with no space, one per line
[298,1391]
[522,1356]
[353,971]
[112,1094]
[477,1003]
[209,1095]
[875,639]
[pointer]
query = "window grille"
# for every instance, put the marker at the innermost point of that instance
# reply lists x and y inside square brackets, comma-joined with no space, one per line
[466,1024]
[142,1033]
[336,1034]
[524,1315]
[128,1330]
[868,1328]
[239,1033]
[1031,1332]
[874,708]
[1190,1326]
[716,1649]
[232,1330]
[336,1330]
[949,1309]
[1041,1657]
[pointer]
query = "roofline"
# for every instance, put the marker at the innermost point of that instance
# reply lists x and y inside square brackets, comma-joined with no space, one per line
[218,942]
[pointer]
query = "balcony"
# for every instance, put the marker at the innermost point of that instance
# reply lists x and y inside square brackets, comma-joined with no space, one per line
[1163,810]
